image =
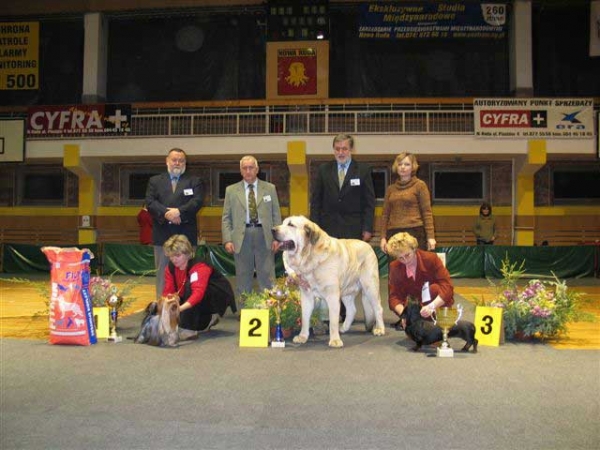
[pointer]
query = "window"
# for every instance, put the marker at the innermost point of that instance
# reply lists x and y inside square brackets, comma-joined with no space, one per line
[576,184]
[41,186]
[134,183]
[226,178]
[380,178]
[454,185]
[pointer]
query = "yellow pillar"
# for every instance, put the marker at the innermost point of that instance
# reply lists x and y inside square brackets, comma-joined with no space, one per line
[296,160]
[87,173]
[524,184]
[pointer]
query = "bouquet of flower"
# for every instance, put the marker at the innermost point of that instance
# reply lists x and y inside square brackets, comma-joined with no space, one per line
[290,310]
[102,288]
[540,309]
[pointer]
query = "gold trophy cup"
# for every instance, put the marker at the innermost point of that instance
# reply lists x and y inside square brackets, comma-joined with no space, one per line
[446,318]
[278,294]
[114,302]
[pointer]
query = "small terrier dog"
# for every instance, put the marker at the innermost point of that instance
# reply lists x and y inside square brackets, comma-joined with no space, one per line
[424,332]
[160,326]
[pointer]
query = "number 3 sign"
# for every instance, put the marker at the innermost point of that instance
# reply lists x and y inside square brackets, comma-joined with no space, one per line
[254,328]
[488,325]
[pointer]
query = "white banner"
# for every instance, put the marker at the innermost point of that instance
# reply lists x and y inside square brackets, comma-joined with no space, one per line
[534,118]
[595,28]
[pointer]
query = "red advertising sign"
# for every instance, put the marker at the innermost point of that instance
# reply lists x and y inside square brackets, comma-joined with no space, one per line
[296,71]
[78,120]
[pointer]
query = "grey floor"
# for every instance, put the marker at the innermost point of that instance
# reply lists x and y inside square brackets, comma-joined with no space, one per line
[375,393]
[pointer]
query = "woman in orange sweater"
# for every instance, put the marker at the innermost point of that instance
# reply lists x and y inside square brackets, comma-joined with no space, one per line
[407,205]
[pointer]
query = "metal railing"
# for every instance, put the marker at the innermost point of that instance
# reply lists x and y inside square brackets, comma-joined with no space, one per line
[402,118]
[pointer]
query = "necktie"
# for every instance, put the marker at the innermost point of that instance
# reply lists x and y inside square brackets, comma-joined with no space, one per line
[252,204]
[174,184]
[341,175]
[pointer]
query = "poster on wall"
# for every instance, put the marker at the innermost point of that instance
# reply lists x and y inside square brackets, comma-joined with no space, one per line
[19,55]
[12,140]
[106,119]
[433,20]
[296,71]
[534,118]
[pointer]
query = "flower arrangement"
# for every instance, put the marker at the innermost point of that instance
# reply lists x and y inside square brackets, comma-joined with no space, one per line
[290,308]
[540,309]
[102,288]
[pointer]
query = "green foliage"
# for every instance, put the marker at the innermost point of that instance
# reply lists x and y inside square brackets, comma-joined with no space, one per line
[290,307]
[538,309]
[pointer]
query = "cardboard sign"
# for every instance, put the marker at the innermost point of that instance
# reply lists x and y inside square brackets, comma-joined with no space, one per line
[488,325]
[254,328]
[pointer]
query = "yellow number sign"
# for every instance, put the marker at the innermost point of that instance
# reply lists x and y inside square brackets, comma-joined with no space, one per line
[254,328]
[488,325]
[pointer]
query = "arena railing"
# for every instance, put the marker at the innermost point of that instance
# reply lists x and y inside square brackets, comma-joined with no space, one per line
[353,116]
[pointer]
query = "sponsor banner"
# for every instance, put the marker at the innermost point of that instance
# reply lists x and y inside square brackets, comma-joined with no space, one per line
[19,55]
[78,120]
[595,28]
[296,71]
[534,118]
[440,19]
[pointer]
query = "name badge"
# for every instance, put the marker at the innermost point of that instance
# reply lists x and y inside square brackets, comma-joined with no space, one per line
[425,295]
[267,198]
[193,277]
[355,182]
[188,192]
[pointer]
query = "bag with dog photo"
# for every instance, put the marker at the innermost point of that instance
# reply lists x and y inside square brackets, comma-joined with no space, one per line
[71,318]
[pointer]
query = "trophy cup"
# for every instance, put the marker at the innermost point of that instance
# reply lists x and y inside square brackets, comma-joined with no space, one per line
[446,318]
[278,294]
[114,302]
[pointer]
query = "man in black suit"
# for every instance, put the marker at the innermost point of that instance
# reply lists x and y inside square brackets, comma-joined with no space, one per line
[344,211]
[173,199]
[343,198]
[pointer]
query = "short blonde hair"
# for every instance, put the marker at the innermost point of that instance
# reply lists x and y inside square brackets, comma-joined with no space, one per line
[400,243]
[411,157]
[178,244]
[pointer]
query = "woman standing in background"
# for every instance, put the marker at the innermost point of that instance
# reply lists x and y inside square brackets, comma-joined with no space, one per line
[485,225]
[407,205]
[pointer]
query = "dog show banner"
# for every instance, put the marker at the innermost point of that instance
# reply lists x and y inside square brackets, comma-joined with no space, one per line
[19,55]
[112,119]
[534,118]
[442,19]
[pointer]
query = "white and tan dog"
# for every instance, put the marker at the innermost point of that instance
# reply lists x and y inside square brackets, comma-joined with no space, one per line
[331,269]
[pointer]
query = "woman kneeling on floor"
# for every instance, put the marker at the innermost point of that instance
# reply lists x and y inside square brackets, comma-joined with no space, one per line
[204,293]
[418,274]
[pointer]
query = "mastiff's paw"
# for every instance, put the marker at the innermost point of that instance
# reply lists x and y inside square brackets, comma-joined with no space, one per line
[336,343]
[378,331]
[300,339]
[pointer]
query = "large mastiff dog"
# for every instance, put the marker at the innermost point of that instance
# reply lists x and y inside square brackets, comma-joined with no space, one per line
[331,269]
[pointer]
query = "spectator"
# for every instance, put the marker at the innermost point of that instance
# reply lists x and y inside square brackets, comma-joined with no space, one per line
[144,220]
[485,225]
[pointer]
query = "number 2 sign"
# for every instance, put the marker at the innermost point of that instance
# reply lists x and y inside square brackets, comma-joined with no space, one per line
[254,328]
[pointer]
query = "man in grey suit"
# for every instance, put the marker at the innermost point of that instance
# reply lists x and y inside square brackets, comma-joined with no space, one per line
[251,209]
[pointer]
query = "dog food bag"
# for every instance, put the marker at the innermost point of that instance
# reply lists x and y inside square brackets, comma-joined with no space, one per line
[71,318]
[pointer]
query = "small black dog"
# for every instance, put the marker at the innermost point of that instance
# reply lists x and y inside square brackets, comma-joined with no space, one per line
[424,332]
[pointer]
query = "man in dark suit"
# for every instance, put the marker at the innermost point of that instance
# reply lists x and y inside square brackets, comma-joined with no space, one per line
[343,198]
[173,199]
[344,210]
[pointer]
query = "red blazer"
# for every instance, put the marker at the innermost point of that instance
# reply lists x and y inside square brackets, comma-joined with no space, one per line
[429,268]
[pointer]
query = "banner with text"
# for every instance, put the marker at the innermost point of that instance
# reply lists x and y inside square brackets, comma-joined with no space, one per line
[444,19]
[296,71]
[19,55]
[534,118]
[110,119]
